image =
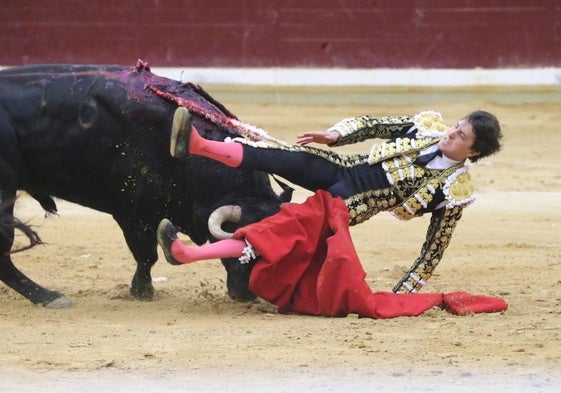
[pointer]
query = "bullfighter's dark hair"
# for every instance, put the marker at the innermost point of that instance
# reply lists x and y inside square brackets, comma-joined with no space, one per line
[487,132]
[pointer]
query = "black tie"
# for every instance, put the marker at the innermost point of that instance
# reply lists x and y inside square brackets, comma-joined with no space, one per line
[424,159]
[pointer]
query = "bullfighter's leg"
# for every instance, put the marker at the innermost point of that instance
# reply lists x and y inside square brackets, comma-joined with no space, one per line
[310,168]
[185,139]
[178,253]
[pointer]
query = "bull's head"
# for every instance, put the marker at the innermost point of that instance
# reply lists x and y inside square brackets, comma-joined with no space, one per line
[222,223]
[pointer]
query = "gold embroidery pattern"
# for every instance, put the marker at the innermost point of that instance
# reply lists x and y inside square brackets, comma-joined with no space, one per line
[419,200]
[367,204]
[458,188]
[439,234]
[383,151]
[400,168]
[342,160]
[361,128]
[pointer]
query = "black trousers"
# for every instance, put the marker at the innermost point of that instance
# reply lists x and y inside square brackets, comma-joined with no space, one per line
[314,172]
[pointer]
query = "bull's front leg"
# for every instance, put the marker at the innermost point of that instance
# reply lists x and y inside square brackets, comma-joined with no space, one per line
[144,250]
[141,285]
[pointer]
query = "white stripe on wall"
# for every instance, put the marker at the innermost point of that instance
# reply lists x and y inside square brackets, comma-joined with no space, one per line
[365,77]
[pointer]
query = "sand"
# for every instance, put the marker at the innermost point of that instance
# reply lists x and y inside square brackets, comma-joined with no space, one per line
[193,336]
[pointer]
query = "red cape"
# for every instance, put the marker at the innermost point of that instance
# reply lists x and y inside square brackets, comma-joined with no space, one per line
[308,265]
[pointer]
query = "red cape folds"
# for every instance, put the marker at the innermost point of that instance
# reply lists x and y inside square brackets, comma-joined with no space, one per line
[308,265]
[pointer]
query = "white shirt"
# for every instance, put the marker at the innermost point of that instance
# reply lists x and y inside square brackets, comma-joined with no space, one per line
[438,162]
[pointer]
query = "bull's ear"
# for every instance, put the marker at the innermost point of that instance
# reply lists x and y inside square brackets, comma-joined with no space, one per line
[286,194]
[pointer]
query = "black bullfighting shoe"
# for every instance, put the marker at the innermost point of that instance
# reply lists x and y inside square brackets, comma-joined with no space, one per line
[167,233]
[180,133]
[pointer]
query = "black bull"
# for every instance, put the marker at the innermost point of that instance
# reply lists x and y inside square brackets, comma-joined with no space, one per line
[98,136]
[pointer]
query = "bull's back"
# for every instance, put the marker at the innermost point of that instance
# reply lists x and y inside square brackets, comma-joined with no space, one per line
[40,103]
[50,99]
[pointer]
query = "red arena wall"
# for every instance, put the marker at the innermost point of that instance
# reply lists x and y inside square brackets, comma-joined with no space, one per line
[461,34]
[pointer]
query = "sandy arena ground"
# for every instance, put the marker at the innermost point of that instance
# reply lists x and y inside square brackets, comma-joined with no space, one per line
[194,338]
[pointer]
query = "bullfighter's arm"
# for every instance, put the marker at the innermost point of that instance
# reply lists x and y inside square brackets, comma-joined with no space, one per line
[442,225]
[360,128]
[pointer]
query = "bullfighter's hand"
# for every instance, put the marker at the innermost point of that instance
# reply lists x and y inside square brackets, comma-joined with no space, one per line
[323,137]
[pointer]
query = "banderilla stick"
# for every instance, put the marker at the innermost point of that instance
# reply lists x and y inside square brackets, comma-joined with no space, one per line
[243,129]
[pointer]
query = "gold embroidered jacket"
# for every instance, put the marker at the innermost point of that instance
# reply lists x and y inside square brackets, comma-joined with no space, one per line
[412,187]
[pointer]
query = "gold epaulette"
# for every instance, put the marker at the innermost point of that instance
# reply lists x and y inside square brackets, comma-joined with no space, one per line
[429,124]
[458,189]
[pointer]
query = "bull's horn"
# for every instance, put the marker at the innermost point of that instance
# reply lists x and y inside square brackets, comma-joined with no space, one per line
[227,213]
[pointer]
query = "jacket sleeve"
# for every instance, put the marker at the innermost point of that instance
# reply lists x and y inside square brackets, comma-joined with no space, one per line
[360,128]
[442,225]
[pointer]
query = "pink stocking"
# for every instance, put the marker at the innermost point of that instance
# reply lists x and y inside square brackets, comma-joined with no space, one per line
[227,248]
[228,153]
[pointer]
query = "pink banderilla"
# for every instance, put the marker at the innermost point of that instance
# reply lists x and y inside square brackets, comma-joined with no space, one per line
[243,129]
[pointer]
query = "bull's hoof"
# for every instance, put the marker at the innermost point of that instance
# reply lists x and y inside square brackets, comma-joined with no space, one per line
[242,295]
[180,133]
[59,302]
[145,295]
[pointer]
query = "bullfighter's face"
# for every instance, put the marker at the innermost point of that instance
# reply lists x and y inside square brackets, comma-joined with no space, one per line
[457,141]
